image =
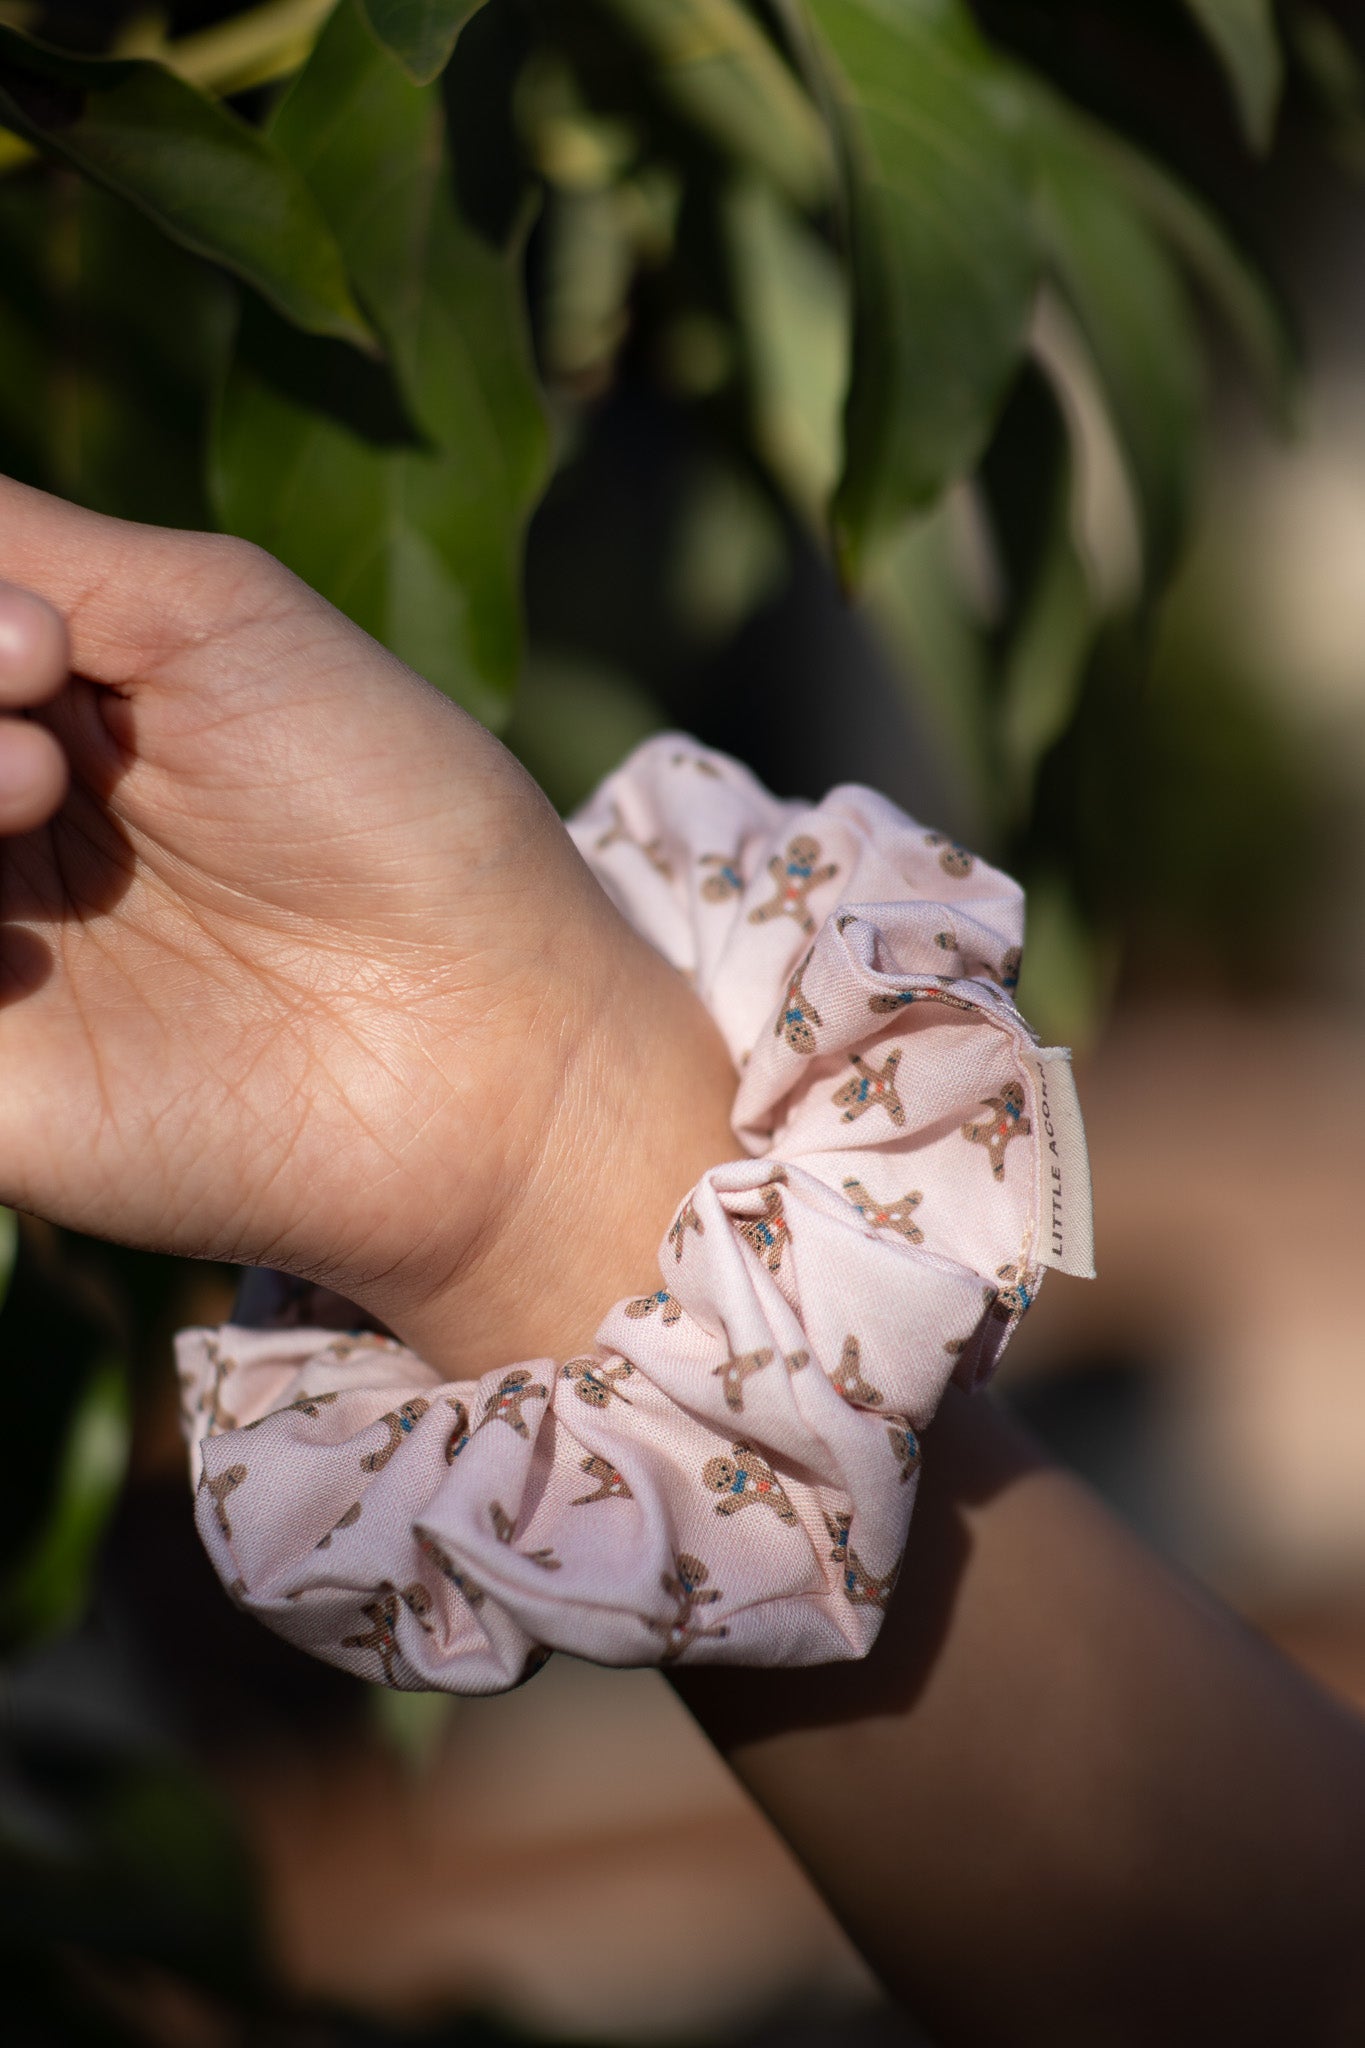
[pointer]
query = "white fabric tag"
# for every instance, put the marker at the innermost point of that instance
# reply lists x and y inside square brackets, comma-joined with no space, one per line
[1066,1230]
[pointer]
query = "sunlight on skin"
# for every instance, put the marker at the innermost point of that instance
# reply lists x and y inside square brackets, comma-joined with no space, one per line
[303,970]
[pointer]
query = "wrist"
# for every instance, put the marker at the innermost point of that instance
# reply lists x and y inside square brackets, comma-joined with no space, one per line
[589,1179]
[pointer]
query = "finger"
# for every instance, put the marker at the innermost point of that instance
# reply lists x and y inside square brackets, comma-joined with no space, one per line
[33,651]
[123,589]
[33,776]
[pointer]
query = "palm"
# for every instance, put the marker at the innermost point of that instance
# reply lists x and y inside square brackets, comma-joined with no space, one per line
[272,954]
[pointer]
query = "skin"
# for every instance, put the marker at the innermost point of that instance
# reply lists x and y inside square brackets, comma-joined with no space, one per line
[297,968]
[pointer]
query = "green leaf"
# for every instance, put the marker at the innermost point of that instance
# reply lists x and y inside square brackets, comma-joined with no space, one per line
[48,1592]
[724,77]
[405,505]
[1137,324]
[1044,668]
[209,181]
[792,306]
[1243,33]
[1235,287]
[943,247]
[420,33]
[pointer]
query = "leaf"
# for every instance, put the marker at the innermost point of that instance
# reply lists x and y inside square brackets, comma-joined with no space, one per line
[1238,290]
[1137,324]
[1244,35]
[419,33]
[48,1592]
[721,73]
[210,182]
[1045,665]
[403,503]
[943,248]
[793,313]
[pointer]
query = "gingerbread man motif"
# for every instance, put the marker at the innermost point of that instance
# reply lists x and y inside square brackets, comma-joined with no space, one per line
[652,849]
[953,859]
[888,1000]
[351,1342]
[648,1303]
[310,1405]
[219,1419]
[610,1484]
[848,1376]
[226,1482]
[895,1215]
[725,879]
[400,1422]
[683,1586]
[794,877]
[346,1521]
[798,1015]
[685,1220]
[735,1371]
[504,1403]
[381,1615]
[904,1443]
[1007,1122]
[869,1090]
[460,1434]
[596,1384]
[1010,967]
[861,1589]
[770,1233]
[448,1569]
[1015,1298]
[699,762]
[746,1480]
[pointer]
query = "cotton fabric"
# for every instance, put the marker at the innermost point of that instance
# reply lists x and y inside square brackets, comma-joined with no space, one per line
[728,1476]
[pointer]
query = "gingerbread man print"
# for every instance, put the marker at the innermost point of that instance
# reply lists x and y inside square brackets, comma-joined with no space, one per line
[848,1376]
[895,1215]
[596,1384]
[724,880]
[798,1019]
[399,1423]
[871,1090]
[460,1433]
[735,1371]
[448,1569]
[685,1220]
[904,1443]
[218,1490]
[646,1305]
[770,1233]
[794,877]
[346,1521]
[1008,1121]
[505,1402]
[684,1587]
[746,1480]
[610,1484]
[652,849]
[381,1615]
[861,1589]
[953,859]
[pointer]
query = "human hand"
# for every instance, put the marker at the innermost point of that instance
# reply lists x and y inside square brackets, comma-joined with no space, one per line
[298,967]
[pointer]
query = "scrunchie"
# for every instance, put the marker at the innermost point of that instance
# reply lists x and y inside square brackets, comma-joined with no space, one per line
[728,1476]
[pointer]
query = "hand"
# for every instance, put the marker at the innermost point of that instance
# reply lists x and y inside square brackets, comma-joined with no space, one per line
[298,967]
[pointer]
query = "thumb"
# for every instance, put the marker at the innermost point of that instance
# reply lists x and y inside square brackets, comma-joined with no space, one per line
[130,594]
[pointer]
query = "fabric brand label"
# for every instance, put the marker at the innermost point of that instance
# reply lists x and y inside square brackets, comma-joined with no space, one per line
[1066,1230]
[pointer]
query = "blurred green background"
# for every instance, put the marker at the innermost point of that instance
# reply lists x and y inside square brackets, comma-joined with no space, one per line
[961,399]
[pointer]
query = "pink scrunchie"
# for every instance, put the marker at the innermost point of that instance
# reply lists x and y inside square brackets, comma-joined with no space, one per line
[728,1478]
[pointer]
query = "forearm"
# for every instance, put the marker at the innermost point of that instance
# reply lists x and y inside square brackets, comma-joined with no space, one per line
[1067,1797]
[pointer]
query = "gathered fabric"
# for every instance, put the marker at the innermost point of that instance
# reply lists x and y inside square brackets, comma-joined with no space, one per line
[728,1475]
